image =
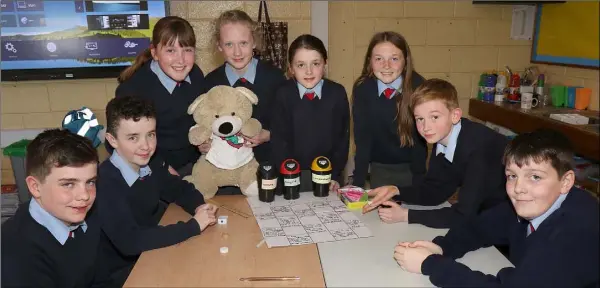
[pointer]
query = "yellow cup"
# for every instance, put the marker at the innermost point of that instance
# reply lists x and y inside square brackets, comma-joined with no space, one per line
[582,98]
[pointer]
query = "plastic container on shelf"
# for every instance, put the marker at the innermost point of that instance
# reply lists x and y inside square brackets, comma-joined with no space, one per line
[17,152]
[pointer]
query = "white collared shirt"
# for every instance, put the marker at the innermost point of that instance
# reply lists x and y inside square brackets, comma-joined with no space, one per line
[249,75]
[317,89]
[396,85]
[128,173]
[57,228]
[536,222]
[164,79]
[452,141]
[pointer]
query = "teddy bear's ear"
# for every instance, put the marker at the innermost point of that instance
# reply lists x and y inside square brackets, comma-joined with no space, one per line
[195,104]
[248,94]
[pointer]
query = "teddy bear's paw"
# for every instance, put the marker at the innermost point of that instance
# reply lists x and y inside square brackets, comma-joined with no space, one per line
[252,189]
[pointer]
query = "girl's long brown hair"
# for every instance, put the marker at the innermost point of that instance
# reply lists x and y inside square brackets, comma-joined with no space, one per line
[404,115]
[166,31]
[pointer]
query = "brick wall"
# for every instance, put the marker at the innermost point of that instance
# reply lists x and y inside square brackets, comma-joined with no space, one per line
[453,40]
[43,104]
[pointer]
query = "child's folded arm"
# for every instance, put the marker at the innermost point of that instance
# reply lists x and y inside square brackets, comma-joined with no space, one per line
[470,196]
[557,262]
[438,218]
[435,189]
[445,272]
[129,238]
[183,193]
[476,186]
[490,228]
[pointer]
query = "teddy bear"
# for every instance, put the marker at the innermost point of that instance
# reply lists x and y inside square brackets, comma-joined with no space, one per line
[223,115]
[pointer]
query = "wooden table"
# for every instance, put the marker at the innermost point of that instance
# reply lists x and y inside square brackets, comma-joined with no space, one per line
[364,262]
[198,262]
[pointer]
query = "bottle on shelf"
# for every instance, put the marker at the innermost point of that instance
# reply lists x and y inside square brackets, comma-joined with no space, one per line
[500,87]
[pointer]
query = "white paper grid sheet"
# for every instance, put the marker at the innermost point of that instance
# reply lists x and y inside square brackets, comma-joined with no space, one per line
[306,220]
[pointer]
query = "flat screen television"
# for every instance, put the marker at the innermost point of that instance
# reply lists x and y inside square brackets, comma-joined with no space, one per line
[43,40]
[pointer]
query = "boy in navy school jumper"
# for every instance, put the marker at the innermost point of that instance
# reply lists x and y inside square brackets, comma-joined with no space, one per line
[551,227]
[52,240]
[311,114]
[235,40]
[133,181]
[166,75]
[466,155]
[384,132]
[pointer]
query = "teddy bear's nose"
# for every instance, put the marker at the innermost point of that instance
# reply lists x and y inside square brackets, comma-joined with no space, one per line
[225,128]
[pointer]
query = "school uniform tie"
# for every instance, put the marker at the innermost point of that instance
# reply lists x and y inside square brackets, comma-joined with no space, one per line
[309,95]
[243,82]
[530,229]
[75,232]
[180,85]
[389,92]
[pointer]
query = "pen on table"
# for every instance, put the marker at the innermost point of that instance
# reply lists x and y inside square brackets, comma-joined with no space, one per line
[283,278]
[240,213]
[260,243]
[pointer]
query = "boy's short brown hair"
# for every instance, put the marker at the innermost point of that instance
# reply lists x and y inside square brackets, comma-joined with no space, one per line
[55,148]
[127,108]
[540,146]
[435,89]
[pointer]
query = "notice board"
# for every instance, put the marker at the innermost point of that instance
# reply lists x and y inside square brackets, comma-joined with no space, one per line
[567,34]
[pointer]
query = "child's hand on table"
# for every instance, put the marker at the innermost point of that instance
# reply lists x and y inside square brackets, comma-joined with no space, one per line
[381,194]
[205,215]
[432,247]
[411,258]
[212,209]
[395,212]
[334,186]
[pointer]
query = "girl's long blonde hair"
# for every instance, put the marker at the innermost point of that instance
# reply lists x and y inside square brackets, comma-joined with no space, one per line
[235,16]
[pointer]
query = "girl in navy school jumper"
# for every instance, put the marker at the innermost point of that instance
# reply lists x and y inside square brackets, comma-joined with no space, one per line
[311,114]
[166,75]
[235,38]
[381,96]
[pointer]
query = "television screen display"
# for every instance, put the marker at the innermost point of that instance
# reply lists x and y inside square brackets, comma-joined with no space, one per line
[51,38]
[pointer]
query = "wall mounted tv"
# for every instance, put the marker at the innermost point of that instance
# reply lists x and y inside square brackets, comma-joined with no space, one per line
[74,39]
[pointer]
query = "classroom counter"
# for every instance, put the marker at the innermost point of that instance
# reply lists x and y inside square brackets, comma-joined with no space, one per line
[585,138]
[364,262]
